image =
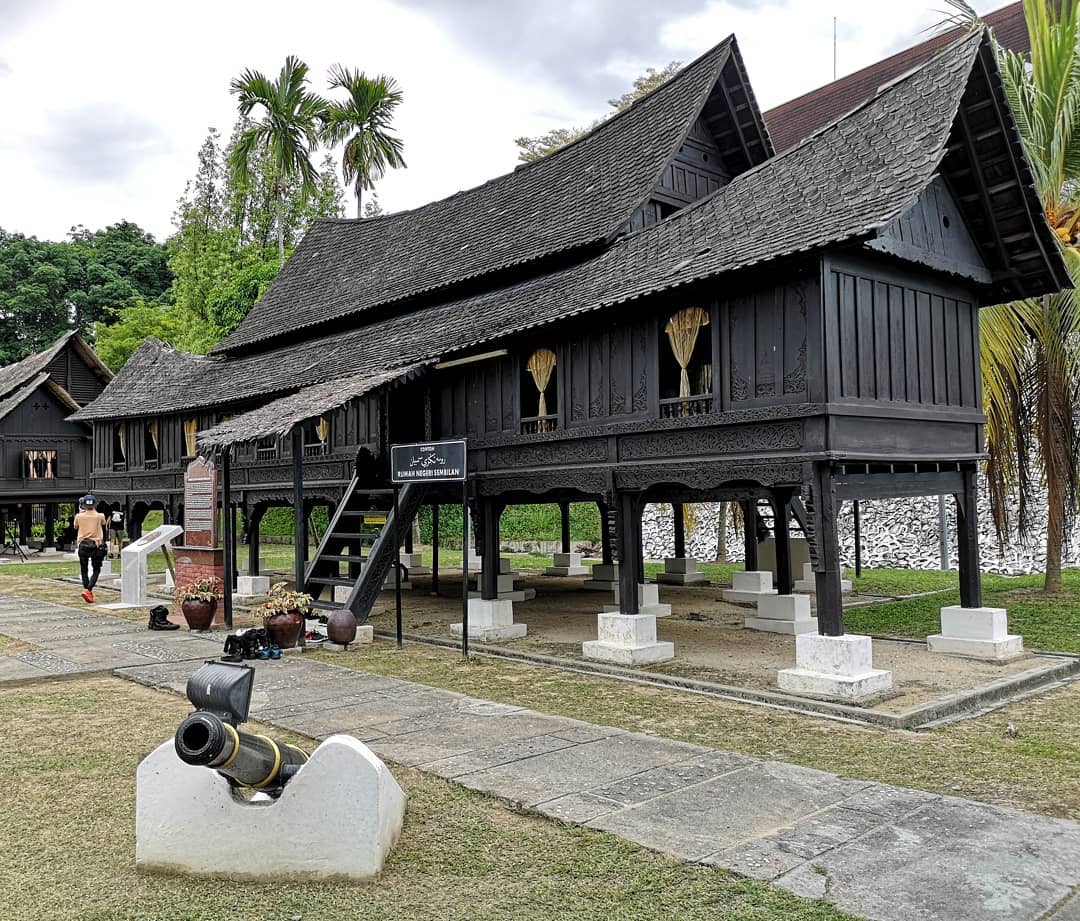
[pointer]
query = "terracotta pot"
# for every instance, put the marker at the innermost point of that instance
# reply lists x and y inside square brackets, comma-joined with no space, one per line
[198,614]
[284,629]
[341,627]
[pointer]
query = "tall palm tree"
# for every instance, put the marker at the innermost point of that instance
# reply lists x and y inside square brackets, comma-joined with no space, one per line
[363,123]
[291,122]
[1030,349]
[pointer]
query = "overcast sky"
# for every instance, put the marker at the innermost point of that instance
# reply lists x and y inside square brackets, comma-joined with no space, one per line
[104,104]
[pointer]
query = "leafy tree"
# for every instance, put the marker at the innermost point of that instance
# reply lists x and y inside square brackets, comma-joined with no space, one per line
[289,129]
[1030,349]
[230,303]
[115,342]
[363,123]
[533,148]
[372,208]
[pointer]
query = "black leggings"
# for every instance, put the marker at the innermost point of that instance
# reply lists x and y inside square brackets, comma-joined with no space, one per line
[95,553]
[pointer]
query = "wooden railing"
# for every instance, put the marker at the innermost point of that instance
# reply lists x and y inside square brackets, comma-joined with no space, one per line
[534,425]
[119,467]
[266,454]
[318,449]
[681,407]
[151,463]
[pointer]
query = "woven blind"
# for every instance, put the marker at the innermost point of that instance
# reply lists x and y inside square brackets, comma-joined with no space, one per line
[682,330]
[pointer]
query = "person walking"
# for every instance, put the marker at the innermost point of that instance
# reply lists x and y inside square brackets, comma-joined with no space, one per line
[92,543]
[116,532]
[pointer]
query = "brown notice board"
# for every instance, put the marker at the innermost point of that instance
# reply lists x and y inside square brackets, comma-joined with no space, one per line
[200,504]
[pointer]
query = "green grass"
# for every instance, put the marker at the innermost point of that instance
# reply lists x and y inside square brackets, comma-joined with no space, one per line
[71,748]
[1038,770]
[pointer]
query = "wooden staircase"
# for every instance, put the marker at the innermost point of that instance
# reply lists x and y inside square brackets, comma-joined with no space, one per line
[357,550]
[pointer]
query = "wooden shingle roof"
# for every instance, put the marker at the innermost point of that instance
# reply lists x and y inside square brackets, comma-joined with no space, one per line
[840,186]
[20,373]
[576,198]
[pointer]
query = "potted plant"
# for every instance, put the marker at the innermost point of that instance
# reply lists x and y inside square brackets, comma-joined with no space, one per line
[283,614]
[198,602]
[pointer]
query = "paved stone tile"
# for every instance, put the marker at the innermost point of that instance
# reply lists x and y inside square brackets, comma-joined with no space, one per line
[583,732]
[760,858]
[577,808]
[48,662]
[698,821]
[1070,911]
[486,758]
[535,780]
[12,669]
[951,859]
[650,784]
[889,802]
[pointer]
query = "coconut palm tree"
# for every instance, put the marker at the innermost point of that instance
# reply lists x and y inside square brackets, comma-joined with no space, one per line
[1030,349]
[362,123]
[288,129]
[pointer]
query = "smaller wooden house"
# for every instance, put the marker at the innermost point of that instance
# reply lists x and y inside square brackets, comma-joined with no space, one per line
[45,458]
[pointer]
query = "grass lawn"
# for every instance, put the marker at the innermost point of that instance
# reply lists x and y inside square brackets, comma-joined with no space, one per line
[70,749]
[1039,770]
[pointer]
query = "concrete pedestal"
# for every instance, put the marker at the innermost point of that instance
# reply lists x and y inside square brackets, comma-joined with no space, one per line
[648,596]
[681,571]
[836,667]
[338,817]
[252,586]
[749,587]
[491,620]
[476,561]
[978,633]
[788,614]
[414,563]
[808,583]
[627,639]
[365,635]
[567,564]
[605,578]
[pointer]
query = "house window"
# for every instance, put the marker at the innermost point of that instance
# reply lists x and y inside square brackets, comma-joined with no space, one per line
[316,437]
[120,446]
[191,429]
[150,444]
[686,365]
[39,465]
[539,393]
[266,449]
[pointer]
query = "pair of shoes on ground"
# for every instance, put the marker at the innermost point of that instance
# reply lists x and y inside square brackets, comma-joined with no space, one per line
[159,619]
[87,596]
[314,638]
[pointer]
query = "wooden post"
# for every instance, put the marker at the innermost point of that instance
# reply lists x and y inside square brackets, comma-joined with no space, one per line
[397,562]
[230,534]
[298,506]
[435,550]
[50,525]
[830,598]
[489,537]
[967,534]
[253,542]
[606,552]
[856,514]
[564,522]
[628,522]
[785,585]
[680,530]
[750,546]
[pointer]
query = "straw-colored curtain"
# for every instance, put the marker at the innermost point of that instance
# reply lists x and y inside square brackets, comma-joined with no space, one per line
[121,439]
[322,429]
[191,428]
[682,330]
[152,431]
[540,366]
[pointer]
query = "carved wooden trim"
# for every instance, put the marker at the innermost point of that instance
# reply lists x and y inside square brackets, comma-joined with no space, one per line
[727,440]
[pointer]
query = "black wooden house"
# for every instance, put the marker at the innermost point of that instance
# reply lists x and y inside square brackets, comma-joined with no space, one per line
[664,310]
[45,457]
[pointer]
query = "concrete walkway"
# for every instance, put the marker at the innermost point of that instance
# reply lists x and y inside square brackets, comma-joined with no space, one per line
[882,852]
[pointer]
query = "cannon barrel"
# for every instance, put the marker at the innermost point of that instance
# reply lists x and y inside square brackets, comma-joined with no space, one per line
[249,760]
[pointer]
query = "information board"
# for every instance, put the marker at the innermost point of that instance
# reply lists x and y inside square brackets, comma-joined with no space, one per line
[200,504]
[428,462]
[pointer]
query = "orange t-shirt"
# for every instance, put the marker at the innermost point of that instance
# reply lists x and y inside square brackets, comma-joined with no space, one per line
[91,526]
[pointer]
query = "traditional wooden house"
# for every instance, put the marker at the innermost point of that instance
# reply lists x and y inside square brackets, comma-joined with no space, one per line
[663,310]
[45,457]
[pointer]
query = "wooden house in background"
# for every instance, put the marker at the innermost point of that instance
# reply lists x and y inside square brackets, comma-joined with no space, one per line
[664,310]
[45,457]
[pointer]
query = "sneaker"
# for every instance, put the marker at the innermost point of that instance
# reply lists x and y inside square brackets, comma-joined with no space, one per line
[275,651]
[313,638]
[87,596]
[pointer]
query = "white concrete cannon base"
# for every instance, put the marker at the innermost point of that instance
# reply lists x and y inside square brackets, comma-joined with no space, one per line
[788,614]
[605,577]
[648,596]
[681,571]
[491,620]
[414,563]
[365,635]
[507,582]
[250,589]
[978,633]
[627,639]
[338,817]
[748,587]
[567,564]
[836,667]
[808,583]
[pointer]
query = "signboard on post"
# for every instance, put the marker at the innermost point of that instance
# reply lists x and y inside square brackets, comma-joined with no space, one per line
[434,462]
[428,462]
[200,504]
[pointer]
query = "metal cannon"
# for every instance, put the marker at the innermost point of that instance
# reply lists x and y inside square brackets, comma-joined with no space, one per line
[209,737]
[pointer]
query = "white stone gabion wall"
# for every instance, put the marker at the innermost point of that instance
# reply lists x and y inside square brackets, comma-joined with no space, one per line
[896,534]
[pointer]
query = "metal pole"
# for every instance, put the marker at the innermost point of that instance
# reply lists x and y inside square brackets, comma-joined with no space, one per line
[434,550]
[858,538]
[465,568]
[230,535]
[397,562]
[943,534]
